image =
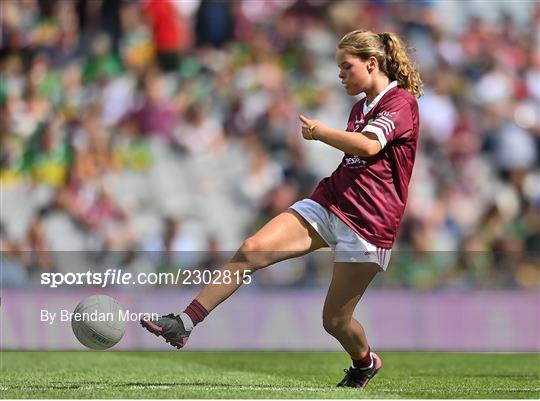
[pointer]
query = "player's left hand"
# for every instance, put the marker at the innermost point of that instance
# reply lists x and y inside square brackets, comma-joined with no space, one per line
[309,128]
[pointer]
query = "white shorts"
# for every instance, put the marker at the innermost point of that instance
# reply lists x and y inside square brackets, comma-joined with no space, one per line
[347,244]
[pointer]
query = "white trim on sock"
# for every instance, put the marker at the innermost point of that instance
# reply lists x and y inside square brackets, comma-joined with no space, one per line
[188,323]
[370,366]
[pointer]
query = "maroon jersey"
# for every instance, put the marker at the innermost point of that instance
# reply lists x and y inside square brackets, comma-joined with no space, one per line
[369,193]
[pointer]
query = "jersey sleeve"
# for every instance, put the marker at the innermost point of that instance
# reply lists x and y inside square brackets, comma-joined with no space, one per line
[392,121]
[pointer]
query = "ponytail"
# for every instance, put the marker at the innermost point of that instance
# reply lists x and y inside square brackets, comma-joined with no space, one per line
[391,53]
[399,66]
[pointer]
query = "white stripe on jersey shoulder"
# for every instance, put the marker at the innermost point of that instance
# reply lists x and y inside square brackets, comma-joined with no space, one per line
[367,108]
[386,119]
[383,124]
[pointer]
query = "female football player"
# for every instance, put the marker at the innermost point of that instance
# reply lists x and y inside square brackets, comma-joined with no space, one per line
[356,211]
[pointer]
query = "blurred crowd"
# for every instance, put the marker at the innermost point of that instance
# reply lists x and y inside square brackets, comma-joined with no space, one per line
[154,134]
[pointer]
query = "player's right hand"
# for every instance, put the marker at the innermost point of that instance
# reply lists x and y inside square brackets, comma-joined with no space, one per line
[308,128]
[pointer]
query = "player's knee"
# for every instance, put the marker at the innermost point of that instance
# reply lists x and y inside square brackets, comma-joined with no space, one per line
[250,245]
[252,252]
[335,324]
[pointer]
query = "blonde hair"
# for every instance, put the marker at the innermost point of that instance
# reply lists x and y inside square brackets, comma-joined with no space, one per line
[391,54]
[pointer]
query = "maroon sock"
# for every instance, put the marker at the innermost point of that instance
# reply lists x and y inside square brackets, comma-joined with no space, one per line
[196,312]
[365,362]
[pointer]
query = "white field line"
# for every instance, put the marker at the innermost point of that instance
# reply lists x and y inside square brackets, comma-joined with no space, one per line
[256,388]
[166,386]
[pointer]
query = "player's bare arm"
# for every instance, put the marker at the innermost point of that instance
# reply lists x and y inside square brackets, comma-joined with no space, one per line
[364,144]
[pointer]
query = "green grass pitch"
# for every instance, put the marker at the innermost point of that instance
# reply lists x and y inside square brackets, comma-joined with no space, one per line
[189,374]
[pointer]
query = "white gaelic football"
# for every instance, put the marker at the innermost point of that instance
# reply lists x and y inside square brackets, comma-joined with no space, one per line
[97,323]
